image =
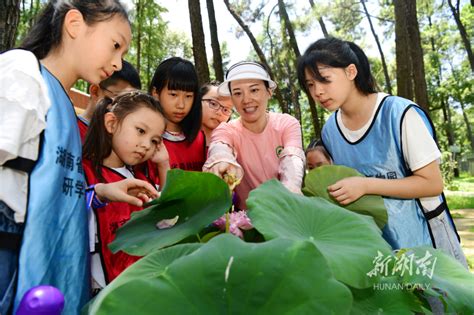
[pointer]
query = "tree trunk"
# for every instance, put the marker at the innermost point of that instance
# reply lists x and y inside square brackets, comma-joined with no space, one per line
[290,40]
[260,54]
[139,10]
[470,136]
[9,18]
[320,21]
[294,45]
[462,32]
[216,48]
[416,52]
[403,59]
[199,47]
[388,85]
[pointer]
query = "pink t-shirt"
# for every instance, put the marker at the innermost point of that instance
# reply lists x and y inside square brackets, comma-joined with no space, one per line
[258,153]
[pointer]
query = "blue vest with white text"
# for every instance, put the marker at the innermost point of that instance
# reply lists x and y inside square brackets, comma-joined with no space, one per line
[379,154]
[54,250]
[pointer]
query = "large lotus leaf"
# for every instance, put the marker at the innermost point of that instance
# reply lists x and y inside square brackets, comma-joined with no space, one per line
[197,198]
[149,267]
[318,180]
[229,276]
[388,296]
[440,275]
[348,241]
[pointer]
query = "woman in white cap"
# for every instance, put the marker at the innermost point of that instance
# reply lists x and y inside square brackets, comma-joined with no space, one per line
[259,145]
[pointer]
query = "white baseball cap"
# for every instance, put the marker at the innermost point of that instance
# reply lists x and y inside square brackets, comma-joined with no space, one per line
[245,70]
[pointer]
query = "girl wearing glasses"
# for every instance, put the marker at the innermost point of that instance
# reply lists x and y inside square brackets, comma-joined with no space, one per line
[215,109]
[259,145]
[123,132]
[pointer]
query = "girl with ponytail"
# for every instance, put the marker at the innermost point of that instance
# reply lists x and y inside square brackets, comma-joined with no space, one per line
[123,132]
[389,139]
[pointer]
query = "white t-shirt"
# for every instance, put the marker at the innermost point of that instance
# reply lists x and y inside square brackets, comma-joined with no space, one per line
[419,147]
[24,103]
[124,171]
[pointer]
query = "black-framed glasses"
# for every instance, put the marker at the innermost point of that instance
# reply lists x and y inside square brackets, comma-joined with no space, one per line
[112,93]
[215,105]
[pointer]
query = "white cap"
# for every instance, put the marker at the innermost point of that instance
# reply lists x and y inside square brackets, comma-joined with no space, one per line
[245,70]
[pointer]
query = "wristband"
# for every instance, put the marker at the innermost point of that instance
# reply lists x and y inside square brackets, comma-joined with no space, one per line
[92,199]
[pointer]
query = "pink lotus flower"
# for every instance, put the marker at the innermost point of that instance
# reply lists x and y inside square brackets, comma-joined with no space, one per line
[238,221]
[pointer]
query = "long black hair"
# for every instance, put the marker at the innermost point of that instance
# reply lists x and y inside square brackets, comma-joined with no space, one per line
[98,142]
[46,33]
[336,53]
[179,74]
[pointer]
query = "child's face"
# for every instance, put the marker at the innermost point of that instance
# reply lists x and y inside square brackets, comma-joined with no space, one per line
[137,137]
[211,118]
[99,48]
[176,103]
[332,94]
[316,158]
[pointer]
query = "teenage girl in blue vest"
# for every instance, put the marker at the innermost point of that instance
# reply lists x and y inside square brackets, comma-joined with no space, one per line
[71,40]
[124,132]
[175,86]
[387,138]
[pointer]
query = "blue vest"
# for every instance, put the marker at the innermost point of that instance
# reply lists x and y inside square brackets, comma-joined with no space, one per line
[54,250]
[379,154]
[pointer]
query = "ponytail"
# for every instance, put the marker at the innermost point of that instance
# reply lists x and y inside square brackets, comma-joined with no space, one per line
[45,34]
[364,80]
[98,143]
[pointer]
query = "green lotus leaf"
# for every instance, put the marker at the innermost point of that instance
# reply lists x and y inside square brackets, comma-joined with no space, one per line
[348,241]
[440,275]
[196,198]
[229,276]
[318,179]
[388,296]
[149,267]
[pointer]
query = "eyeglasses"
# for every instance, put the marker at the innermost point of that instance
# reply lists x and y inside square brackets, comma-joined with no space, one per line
[215,105]
[112,93]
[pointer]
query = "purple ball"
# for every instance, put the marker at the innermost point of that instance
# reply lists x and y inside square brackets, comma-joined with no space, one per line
[41,300]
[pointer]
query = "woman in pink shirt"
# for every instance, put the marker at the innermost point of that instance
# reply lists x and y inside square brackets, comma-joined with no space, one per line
[259,145]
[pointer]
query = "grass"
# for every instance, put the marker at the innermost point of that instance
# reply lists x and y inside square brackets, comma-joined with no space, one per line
[463,195]
[464,182]
[460,202]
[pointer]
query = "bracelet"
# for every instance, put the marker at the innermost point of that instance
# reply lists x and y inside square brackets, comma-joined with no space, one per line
[92,200]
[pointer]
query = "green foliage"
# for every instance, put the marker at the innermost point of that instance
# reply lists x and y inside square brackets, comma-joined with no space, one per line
[318,258]
[317,181]
[152,40]
[448,165]
[460,201]
[28,11]
[450,281]
[276,212]
[228,276]
[196,198]
[371,301]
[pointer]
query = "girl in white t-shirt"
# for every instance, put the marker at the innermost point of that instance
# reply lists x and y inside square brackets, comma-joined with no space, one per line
[387,138]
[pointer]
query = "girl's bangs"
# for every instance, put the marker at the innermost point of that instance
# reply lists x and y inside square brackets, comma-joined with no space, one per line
[320,58]
[183,78]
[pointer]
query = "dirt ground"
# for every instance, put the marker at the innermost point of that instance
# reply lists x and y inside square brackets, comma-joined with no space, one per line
[464,220]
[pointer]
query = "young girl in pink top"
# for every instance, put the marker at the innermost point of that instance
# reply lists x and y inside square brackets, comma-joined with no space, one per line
[259,145]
